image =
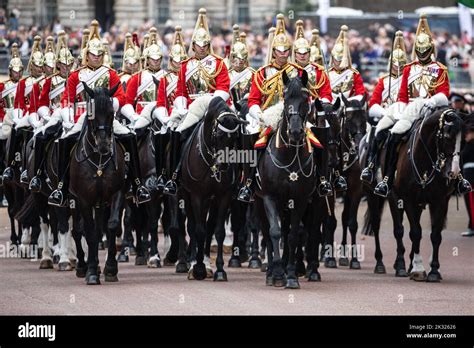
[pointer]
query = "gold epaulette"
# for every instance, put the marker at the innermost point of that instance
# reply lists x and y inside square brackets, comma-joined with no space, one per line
[442,66]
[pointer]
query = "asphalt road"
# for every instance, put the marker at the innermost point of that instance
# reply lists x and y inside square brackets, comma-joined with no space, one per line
[26,290]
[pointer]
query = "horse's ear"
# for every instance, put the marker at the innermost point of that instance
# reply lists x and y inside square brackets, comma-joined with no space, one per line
[364,98]
[337,104]
[344,99]
[304,78]
[318,105]
[114,89]
[285,78]
[233,93]
[155,81]
[89,91]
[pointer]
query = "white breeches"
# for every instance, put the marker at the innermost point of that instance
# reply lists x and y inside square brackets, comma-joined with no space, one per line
[118,128]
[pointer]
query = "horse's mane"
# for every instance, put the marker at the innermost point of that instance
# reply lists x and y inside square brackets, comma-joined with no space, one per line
[218,106]
[450,116]
[102,100]
[293,88]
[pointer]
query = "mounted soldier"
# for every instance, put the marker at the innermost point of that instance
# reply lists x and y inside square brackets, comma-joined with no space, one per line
[424,87]
[164,106]
[74,111]
[202,77]
[319,87]
[25,95]
[384,95]
[131,59]
[49,107]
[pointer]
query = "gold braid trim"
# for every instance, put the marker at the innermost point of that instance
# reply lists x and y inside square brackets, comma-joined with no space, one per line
[269,87]
[441,80]
[313,89]
[210,78]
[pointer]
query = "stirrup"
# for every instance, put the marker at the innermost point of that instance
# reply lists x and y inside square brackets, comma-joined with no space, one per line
[35,184]
[24,177]
[142,195]
[56,198]
[463,186]
[324,188]
[382,188]
[367,174]
[8,174]
[340,183]
[245,193]
[171,188]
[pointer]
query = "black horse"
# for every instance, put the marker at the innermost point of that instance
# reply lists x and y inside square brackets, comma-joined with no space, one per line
[206,174]
[97,173]
[288,176]
[353,128]
[427,167]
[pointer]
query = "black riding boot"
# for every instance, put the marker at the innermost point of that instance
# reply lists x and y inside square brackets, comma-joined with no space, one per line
[12,162]
[321,156]
[368,173]
[171,186]
[383,188]
[160,141]
[246,194]
[340,183]
[142,194]
[59,196]
[39,149]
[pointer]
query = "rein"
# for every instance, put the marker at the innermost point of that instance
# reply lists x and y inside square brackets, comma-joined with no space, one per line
[436,165]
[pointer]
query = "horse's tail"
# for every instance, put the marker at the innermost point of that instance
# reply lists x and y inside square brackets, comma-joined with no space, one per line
[375,205]
[28,215]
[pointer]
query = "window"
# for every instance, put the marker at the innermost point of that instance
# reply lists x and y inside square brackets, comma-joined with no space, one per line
[162,11]
[243,13]
[51,11]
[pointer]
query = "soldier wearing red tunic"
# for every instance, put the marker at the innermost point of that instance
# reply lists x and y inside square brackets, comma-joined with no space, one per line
[25,96]
[73,113]
[201,77]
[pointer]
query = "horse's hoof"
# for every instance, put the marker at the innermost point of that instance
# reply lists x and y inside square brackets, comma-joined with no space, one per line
[93,279]
[264,267]
[269,281]
[235,263]
[154,263]
[111,278]
[401,272]
[182,267]
[355,264]
[199,271]
[227,249]
[380,269]
[279,282]
[434,277]
[300,270]
[122,258]
[343,261]
[73,263]
[418,276]
[314,277]
[65,266]
[101,245]
[81,272]
[167,262]
[220,276]
[56,259]
[140,261]
[330,262]
[292,284]
[255,263]
[46,264]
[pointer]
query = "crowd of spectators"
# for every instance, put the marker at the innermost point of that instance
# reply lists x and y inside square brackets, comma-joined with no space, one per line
[371,49]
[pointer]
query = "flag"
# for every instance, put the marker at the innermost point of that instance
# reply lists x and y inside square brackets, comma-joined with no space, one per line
[467,3]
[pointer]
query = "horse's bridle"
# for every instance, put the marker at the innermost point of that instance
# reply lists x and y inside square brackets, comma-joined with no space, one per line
[441,157]
[289,114]
[211,151]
